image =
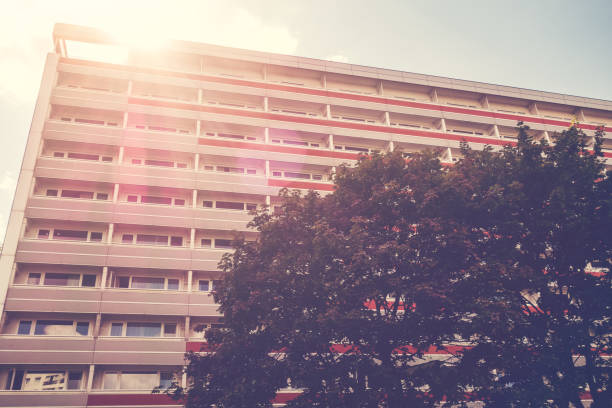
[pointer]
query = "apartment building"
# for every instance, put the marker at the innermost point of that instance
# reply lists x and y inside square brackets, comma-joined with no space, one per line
[136,173]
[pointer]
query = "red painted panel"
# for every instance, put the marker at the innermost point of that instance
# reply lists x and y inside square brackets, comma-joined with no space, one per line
[334,94]
[198,346]
[277,149]
[300,184]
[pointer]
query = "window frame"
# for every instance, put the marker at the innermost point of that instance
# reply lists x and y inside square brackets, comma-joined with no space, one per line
[34,325]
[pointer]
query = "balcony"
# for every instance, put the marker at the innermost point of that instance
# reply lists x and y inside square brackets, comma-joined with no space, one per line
[50,398]
[16,349]
[140,351]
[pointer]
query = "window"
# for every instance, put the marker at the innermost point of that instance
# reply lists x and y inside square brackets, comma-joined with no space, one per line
[203,286]
[251,171]
[297,175]
[83,156]
[170,330]
[179,202]
[43,233]
[136,161]
[51,193]
[147,283]
[25,327]
[132,198]
[223,243]
[107,159]
[116,329]
[127,239]
[215,284]
[50,380]
[136,380]
[156,200]
[229,205]
[123,281]
[277,174]
[176,241]
[173,284]
[77,194]
[96,237]
[143,329]
[62,279]
[161,163]
[58,154]
[207,204]
[54,328]
[33,279]
[101,196]
[72,235]
[206,243]
[110,381]
[150,239]
[165,380]
[251,207]
[82,328]
[74,380]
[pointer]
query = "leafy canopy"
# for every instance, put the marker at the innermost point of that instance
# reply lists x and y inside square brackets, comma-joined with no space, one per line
[414,283]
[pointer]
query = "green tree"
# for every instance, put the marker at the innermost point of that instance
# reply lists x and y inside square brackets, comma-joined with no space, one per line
[345,296]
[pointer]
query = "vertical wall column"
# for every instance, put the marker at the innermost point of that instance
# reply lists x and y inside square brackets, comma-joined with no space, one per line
[266,135]
[533,108]
[496,131]
[434,95]
[96,329]
[267,168]
[116,193]
[323,81]
[192,239]
[104,277]
[187,324]
[121,153]
[387,119]
[265,103]
[198,128]
[16,218]
[328,111]
[111,229]
[90,377]
[268,202]
[125,120]
[442,125]
[330,142]
[391,146]
[484,102]
[200,96]
[194,198]
[130,87]
[196,162]
[189,281]
[379,88]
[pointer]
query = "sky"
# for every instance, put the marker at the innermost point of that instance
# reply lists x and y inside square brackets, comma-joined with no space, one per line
[551,45]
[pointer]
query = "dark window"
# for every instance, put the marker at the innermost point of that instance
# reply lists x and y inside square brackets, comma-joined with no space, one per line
[123,282]
[165,380]
[295,142]
[215,284]
[107,159]
[230,136]
[43,233]
[176,241]
[181,165]
[132,199]
[207,204]
[18,379]
[206,243]
[127,238]
[317,177]
[223,243]
[34,279]
[116,329]
[150,239]
[203,286]
[58,154]
[277,174]
[96,236]
[70,235]
[156,200]
[51,193]
[143,329]
[251,206]
[170,330]
[24,327]
[297,175]
[74,380]
[101,196]
[54,328]
[173,284]
[82,328]
[162,163]
[145,282]
[230,205]
[62,279]
[89,281]
[179,201]
[210,168]
[89,121]
[83,156]
[77,194]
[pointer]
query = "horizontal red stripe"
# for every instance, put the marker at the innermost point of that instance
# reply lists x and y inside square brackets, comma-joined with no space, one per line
[130,399]
[300,184]
[335,94]
[277,149]
[313,121]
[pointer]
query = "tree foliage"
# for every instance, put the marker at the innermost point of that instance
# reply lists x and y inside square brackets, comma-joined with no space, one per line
[483,263]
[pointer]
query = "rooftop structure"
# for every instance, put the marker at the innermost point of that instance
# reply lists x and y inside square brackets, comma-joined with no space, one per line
[136,173]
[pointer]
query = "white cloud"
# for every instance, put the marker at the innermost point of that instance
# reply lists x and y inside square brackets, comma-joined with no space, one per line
[338,58]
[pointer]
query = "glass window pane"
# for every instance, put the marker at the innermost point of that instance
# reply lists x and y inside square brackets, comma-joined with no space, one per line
[110,381]
[116,329]
[223,243]
[89,281]
[230,205]
[140,282]
[18,380]
[44,381]
[206,243]
[139,380]
[123,281]
[215,284]
[62,279]
[165,380]
[82,328]
[203,285]
[176,241]
[70,235]
[96,236]
[74,380]
[170,330]
[156,200]
[143,329]
[54,328]
[34,279]
[173,284]
[149,239]
[24,327]
[43,233]
[51,193]
[127,238]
